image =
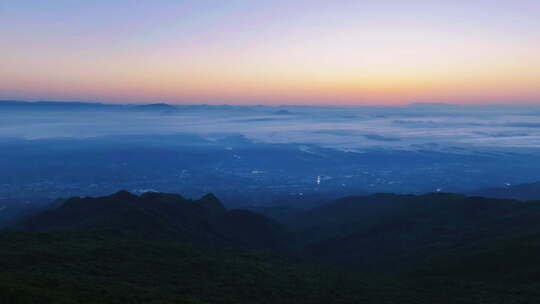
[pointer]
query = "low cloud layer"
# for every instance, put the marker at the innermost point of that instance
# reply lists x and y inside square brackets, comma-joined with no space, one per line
[414,127]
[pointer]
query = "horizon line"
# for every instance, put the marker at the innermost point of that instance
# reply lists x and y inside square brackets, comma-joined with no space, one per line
[109,103]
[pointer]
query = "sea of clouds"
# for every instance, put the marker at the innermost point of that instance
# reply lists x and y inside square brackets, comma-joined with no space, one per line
[442,127]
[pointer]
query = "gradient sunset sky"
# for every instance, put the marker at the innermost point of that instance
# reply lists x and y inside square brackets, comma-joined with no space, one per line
[271,52]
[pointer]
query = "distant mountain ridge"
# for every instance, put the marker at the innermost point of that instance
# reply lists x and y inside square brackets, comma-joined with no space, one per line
[16,104]
[156,107]
[77,105]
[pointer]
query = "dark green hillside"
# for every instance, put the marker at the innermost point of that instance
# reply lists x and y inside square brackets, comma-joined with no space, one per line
[162,216]
[97,268]
[396,232]
[162,248]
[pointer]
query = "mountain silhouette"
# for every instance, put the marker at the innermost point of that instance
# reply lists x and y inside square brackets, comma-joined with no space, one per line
[399,232]
[162,216]
[382,248]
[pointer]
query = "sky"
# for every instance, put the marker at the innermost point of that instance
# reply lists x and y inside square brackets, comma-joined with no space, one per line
[271,52]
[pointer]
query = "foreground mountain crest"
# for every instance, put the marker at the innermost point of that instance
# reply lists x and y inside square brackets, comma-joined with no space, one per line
[383,248]
[161,216]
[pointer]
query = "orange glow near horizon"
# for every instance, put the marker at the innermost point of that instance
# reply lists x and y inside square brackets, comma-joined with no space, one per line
[317,59]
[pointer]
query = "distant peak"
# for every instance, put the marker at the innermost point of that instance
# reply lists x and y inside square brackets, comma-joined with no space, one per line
[210,196]
[123,195]
[156,106]
[431,105]
[211,202]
